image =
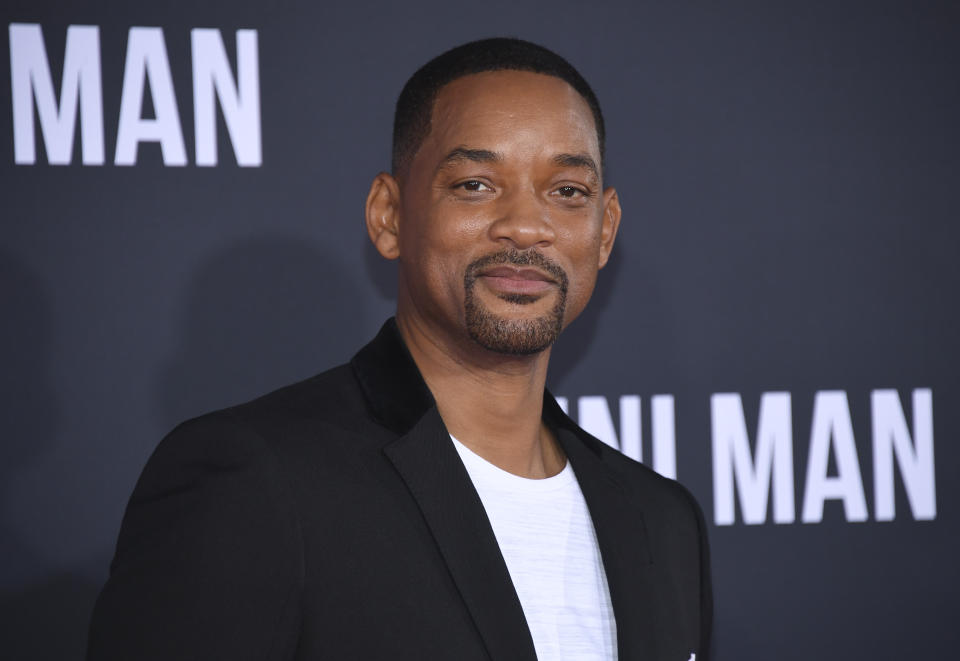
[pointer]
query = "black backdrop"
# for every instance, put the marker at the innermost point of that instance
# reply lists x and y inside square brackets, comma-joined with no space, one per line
[789,174]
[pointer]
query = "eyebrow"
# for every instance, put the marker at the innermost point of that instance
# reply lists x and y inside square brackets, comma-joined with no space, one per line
[466,154]
[577,161]
[458,154]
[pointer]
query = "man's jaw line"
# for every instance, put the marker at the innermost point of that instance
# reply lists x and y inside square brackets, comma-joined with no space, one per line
[434,352]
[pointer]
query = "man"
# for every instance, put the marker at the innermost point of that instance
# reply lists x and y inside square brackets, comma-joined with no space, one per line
[430,500]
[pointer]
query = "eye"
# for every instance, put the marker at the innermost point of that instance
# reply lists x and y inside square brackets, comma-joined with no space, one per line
[571,192]
[473,186]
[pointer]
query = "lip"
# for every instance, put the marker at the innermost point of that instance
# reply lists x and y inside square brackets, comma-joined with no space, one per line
[512,280]
[514,273]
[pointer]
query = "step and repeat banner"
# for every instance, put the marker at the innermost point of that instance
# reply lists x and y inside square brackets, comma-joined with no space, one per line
[778,329]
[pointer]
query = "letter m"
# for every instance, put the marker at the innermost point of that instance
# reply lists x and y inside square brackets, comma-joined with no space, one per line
[733,462]
[80,89]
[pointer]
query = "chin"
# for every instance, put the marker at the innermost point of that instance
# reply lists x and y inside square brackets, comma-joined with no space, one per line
[521,335]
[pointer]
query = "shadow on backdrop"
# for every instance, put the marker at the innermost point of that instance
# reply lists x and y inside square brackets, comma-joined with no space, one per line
[577,338]
[44,611]
[381,272]
[260,314]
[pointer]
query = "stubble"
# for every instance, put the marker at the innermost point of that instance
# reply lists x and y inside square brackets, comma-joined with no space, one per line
[518,337]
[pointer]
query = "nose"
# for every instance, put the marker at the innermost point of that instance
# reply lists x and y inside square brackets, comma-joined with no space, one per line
[523,220]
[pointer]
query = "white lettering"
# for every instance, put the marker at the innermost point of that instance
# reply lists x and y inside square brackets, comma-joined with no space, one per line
[240,100]
[664,434]
[147,64]
[630,427]
[593,415]
[831,422]
[80,89]
[732,461]
[891,437]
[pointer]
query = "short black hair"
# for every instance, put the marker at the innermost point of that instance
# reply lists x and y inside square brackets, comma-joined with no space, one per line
[411,121]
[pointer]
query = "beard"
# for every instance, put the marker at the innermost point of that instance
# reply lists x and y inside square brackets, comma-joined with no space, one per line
[518,337]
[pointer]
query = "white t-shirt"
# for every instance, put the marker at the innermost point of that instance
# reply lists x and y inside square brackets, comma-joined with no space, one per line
[547,539]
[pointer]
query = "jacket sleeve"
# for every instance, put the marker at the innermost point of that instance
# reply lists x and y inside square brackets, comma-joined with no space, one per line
[209,561]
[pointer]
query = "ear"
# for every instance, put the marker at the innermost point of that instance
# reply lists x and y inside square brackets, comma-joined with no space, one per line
[383,215]
[610,224]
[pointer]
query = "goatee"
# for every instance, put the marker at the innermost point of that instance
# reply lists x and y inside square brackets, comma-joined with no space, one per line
[519,337]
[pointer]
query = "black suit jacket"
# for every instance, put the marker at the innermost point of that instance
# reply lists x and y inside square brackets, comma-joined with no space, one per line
[333,519]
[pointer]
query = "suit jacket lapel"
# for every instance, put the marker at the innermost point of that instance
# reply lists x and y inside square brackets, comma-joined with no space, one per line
[432,469]
[390,380]
[621,535]
[428,463]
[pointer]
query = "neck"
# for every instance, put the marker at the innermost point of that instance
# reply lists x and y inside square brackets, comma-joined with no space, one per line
[491,402]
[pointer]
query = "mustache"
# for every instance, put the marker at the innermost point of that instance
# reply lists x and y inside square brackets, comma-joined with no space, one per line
[516,258]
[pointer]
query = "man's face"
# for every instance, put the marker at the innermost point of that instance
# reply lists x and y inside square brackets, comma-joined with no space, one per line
[503,221]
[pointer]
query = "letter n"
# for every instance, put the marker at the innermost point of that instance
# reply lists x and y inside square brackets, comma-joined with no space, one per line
[240,100]
[891,438]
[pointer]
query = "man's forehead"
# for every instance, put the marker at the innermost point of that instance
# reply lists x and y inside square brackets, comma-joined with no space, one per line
[502,105]
[538,91]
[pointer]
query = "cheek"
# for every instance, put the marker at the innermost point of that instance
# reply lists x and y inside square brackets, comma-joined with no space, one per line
[580,244]
[583,254]
[578,293]
[447,239]
[433,254]
[435,268]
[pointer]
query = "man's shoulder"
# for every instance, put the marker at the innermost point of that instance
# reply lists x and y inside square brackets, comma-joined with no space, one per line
[660,498]
[342,413]
[329,404]
[640,484]
[328,397]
